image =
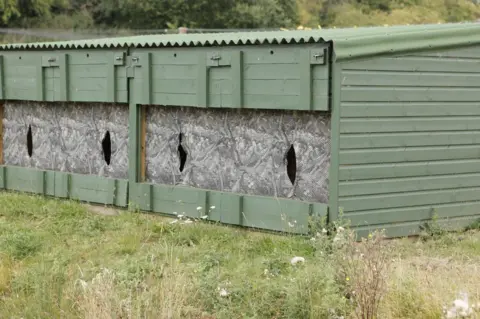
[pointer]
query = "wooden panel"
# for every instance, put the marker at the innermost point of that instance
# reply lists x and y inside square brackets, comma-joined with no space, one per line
[93,189]
[420,124]
[90,57]
[202,82]
[407,109]
[409,94]
[94,96]
[414,228]
[409,199]
[175,86]
[121,193]
[2,108]
[225,208]
[467,52]
[88,85]
[2,81]
[143,134]
[87,71]
[373,171]
[172,72]
[378,140]
[418,213]
[62,185]
[190,202]
[25,179]
[64,77]
[410,79]
[275,214]
[252,77]
[265,101]
[410,140]
[415,64]
[175,56]
[3,177]
[411,184]
[411,154]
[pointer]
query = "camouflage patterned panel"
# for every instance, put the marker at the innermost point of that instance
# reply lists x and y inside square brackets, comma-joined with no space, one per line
[67,137]
[241,151]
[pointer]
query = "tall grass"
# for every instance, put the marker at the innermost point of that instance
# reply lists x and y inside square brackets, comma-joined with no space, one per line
[60,260]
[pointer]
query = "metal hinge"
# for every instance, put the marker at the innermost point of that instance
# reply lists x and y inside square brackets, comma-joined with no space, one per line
[317,56]
[132,62]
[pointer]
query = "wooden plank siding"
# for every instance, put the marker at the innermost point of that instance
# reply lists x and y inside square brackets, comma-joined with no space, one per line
[410,140]
[80,76]
[264,77]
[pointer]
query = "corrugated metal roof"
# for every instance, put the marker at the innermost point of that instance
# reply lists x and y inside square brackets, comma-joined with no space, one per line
[348,42]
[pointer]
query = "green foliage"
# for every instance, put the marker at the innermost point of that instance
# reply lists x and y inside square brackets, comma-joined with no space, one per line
[220,14]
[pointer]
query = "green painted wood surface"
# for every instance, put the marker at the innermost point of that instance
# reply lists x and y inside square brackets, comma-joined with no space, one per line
[412,214]
[409,144]
[408,139]
[135,91]
[410,154]
[408,184]
[243,210]
[266,77]
[414,228]
[89,188]
[82,76]
[25,180]
[410,109]
[373,171]
[333,186]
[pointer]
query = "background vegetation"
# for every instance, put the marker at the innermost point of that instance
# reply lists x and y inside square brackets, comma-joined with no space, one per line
[168,14]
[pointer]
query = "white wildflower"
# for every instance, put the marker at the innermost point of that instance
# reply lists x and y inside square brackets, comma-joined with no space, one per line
[460,307]
[223,292]
[324,231]
[199,208]
[204,217]
[180,216]
[212,207]
[296,260]
[174,221]
[188,221]
[291,225]
[313,239]
[341,229]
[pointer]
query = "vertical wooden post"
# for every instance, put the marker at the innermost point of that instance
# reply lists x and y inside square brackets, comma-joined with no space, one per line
[335,86]
[143,136]
[2,106]
[133,138]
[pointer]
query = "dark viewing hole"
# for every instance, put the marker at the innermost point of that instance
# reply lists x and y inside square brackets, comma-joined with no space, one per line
[107,147]
[271,52]
[182,154]
[29,141]
[291,164]
[175,55]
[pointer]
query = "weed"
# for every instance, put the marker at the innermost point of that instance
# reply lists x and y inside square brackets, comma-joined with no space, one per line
[20,244]
[432,229]
[59,260]
[363,270]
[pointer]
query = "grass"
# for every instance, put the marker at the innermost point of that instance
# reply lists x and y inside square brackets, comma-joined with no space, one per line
[58,259]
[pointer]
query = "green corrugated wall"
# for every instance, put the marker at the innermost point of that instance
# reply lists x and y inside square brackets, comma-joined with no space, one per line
[410,140]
